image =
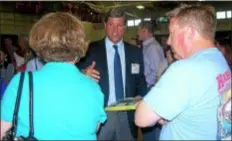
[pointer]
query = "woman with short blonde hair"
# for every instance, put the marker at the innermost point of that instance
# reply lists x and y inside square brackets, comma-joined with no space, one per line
[67,104]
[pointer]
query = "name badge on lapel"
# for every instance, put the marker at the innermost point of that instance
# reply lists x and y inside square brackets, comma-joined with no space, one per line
[135,68]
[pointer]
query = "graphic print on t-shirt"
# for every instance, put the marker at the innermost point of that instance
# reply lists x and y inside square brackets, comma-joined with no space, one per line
[224,111]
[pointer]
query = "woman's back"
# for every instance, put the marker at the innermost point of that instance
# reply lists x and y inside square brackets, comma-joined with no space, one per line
[67,104]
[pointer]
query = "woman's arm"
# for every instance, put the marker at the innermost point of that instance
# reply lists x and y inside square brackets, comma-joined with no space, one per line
[5,126]
[98,127]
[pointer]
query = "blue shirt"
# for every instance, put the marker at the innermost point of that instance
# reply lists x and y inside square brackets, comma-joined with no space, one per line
[154,60]
[187,95]
[34,65]
[2,87]
[67,104]
[110,51]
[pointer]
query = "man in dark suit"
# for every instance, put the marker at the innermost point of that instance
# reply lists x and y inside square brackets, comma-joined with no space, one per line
[118,68]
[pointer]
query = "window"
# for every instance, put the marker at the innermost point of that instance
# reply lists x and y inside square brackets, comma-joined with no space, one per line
[162,20]
[221,15]
[137,22]
[147,19]
[228,14]
[130,23]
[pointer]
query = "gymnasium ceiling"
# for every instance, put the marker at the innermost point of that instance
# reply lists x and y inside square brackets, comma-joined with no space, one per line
[151,9]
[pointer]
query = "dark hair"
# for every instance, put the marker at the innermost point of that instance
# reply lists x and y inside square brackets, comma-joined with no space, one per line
[115,13]
[148,25]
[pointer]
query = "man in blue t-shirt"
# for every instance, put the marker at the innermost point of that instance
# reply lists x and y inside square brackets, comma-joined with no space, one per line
[187,96]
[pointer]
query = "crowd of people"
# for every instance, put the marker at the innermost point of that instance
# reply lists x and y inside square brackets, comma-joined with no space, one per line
[183,84]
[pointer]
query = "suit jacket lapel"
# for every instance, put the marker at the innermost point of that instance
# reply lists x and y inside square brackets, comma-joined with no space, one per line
[103,68]
[127,67]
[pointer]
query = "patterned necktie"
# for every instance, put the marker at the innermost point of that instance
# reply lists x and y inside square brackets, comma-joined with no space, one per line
[118,75]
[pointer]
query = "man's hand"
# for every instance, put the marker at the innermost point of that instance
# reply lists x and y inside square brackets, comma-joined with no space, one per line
[163,122]
[138,98]
[92,72]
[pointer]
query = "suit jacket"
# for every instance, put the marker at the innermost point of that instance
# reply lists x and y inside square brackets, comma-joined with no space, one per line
[135,83]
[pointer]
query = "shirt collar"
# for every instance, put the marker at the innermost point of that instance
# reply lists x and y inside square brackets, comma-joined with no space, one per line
[148,41]
[110,43]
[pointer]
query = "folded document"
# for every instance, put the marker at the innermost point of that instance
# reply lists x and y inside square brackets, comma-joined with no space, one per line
[123,105]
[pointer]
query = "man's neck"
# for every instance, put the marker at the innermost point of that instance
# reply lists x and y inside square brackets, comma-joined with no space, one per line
[148,40]
[108,40]
[199,45]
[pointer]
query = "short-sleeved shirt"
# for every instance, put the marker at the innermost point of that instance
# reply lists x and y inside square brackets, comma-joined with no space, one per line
[187,96]
[67,104]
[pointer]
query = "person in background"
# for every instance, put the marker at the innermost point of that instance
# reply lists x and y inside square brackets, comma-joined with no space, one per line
[23,42]
[3,59]
[168,53]
[154,65]
[34,64]
[2,73]
[10,49]
[226,49]
[68,105]
[154,61]
[118,68]
[17,55]
[188,94]
[21,54]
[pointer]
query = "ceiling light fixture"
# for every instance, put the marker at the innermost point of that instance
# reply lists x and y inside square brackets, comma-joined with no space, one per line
[140,7]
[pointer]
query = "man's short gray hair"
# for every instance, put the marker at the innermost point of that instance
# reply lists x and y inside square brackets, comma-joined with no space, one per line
[147,25]
[202,17]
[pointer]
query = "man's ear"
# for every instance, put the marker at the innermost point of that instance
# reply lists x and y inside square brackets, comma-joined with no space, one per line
[190,32]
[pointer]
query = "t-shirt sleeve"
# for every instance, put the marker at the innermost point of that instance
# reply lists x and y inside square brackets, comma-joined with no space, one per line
[9,98]
[169,97]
